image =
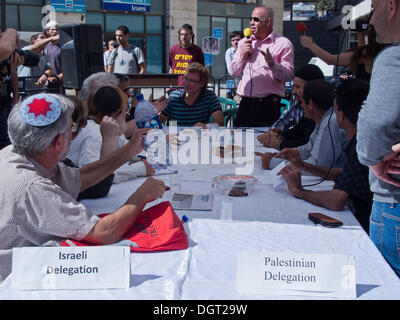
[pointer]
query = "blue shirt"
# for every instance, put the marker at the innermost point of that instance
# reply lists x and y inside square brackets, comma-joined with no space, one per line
[200,111]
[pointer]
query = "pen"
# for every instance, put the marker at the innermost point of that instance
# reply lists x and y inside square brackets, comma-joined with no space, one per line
[141,157]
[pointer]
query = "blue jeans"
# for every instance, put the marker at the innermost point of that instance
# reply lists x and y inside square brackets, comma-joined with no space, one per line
[384,231]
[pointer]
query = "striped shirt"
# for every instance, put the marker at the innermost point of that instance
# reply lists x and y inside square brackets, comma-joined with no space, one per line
[200,111]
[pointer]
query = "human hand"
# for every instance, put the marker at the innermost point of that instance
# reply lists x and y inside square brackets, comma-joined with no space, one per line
[52,79]
[136,142]
[265,159]
[41,81]
[55,39]
[270,139]
[292,155]
[268,58]
[161,103]
[390,164]
[293,179]
[306,41]
[247,49]
[200,124]
[149,169]
[16,60]
[109,128]
[150,190]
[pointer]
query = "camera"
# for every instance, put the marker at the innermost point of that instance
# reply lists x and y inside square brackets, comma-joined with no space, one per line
[115,45]
[31,59]
[362,25]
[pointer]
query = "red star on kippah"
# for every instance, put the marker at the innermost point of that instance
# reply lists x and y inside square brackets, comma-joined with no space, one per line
[39,106]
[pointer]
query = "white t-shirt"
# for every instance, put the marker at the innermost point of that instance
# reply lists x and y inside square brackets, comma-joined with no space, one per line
[86,147]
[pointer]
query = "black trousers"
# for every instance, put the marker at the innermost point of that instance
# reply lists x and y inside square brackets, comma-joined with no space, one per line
[258,112]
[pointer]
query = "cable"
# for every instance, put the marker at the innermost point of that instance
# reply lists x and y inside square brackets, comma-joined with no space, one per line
[329,121]
[334,156]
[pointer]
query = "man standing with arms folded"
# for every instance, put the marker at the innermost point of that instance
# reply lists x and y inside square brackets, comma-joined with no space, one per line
[378,129]
[184,53]
[266,61]
[126,59]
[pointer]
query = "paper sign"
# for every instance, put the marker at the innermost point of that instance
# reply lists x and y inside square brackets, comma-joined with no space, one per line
[296,274]
[49,268]
[278,180]
[218,33]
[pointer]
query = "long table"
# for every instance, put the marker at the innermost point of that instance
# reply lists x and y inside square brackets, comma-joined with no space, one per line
[266,220]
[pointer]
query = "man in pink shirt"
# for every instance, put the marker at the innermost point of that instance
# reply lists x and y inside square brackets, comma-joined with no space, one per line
[266,61]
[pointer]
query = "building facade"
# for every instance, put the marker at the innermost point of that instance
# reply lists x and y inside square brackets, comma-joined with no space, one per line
[155,30]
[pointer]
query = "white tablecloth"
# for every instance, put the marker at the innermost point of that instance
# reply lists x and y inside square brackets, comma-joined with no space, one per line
[266,220]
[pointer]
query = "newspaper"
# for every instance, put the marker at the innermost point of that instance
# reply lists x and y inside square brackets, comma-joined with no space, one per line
[188,201]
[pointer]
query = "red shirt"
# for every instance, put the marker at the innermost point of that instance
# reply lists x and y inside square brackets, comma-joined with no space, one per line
[180,58]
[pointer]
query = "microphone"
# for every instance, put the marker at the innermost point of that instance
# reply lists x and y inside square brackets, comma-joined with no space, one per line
[301,27]
[247,33]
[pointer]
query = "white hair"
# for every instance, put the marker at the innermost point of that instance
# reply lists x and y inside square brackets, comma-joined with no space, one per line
[97,80]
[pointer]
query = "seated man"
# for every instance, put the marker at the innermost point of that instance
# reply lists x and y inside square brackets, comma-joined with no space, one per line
[195,103]
[89,146]
[292,129]
[38,192]
[327,140]
[352,186]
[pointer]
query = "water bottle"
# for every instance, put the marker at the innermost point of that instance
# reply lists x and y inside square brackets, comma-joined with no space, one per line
[146,116]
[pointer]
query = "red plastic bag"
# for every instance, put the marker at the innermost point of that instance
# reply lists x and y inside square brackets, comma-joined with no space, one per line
[157,229]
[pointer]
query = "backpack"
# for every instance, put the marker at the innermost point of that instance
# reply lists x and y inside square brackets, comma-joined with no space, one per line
[114,55]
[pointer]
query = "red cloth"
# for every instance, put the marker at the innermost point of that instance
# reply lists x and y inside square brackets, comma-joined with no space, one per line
[179,58]
[157,229]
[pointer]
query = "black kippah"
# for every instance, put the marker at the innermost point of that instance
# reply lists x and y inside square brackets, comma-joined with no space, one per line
[107,100]
[309,72]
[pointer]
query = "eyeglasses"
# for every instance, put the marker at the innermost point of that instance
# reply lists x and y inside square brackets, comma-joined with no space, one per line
[191,80]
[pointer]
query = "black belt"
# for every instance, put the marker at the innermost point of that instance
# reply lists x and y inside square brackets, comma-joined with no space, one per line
[271,98]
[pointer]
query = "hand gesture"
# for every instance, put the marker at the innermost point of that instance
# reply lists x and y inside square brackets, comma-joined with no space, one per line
[292,155]
[160,104]
[293,178]
[268,58]
[109,128]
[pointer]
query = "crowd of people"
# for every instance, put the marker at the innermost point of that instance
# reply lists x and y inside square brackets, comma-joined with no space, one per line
[66,148]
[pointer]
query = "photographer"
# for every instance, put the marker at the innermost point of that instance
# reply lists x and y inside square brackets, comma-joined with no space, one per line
[11,58]
[8,59]
[40,75]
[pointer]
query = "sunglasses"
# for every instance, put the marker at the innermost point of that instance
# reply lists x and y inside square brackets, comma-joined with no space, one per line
[256,19]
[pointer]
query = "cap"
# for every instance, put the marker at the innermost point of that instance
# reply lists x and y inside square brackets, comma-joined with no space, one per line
[107,100]
[40,110]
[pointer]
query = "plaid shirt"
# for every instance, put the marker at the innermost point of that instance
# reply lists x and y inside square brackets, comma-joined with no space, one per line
[291,117]
[354,181]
